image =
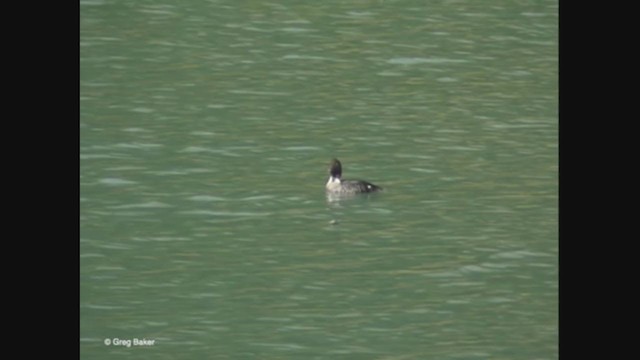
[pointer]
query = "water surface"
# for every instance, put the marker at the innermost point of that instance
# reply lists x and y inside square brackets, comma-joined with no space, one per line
[206,131]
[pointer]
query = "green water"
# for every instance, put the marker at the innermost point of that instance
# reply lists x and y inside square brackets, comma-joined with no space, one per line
[206,131]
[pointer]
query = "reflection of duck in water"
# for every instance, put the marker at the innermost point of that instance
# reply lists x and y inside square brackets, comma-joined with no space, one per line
[337,186]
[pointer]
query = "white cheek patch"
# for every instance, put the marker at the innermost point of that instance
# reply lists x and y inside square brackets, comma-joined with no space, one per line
[333,183]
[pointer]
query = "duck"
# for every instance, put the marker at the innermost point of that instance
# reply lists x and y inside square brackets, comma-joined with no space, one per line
[337,185]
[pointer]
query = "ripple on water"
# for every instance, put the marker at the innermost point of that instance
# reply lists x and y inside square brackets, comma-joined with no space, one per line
[137,145]
[135,130]
[309,57]
[474,269]
[281,346]
[206,198]
[116,182]
[146,205]
[142,110]
[177,172]
[427,171]
[92,2]
[114,246]
[418,60]
[302,148]
[160,239]
[103,307]
[296,29]
[518,254]
[200,149]
[224,213]
[98,156]
[258,197]
[91,255]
